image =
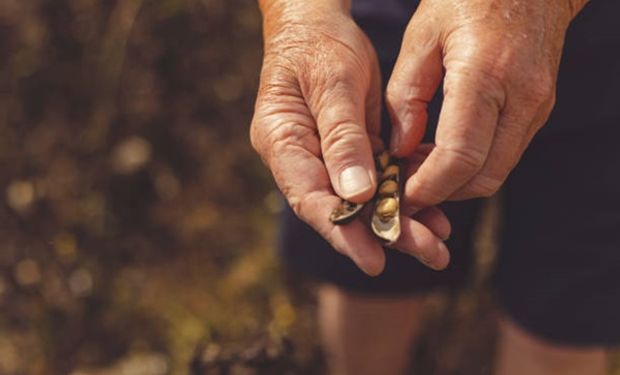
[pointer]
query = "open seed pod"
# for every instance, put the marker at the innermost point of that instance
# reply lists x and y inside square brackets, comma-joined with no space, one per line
[385,222]
[385,216]
[345,212]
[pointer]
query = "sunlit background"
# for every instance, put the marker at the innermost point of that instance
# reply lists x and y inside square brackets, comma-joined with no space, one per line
[137,226]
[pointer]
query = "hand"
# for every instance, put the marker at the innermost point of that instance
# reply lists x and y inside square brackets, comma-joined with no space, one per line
[501,61]
[316,126]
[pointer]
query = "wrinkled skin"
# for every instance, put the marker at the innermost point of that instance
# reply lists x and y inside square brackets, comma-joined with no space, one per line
[499,60]
[318,105]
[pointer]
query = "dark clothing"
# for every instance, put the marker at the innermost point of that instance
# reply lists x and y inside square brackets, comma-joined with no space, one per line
[395,12]
[558,268]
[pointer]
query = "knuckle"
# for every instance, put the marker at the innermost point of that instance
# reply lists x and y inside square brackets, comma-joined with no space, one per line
[282,136]
[486,84]
[464,159]
[302,205]
[492,91]
[340,85]
[340,72]
[485,185]
[275,92]
[341,136]
[542,89]
[420,35]
[296,204]
[264,138]
[405,100]
[281,132]
[330,73]
[276,86]
[277,98]
[288,134]
[422,193]
[393,95]
[335,98]
[536,92]
[397,90]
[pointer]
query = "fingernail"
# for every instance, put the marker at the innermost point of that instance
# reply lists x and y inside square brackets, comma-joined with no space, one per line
[354,181]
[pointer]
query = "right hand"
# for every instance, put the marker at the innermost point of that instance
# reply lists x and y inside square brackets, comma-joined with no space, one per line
[316,126]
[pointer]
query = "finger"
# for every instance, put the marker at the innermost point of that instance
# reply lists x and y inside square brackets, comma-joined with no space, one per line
[467,122]
[341,121]
[415,160]
[373,108]
[303,179]
[435,220]
[414,81]
[419,241]
[411,165]
[517,126]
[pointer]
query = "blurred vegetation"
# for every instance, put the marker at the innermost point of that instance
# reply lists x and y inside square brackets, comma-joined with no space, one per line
[136,224]
[134,220]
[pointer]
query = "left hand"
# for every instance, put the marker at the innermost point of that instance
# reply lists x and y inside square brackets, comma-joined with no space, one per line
[501,61]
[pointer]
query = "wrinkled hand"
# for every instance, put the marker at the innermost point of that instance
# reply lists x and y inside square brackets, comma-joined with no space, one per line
[500,59]
[316,126]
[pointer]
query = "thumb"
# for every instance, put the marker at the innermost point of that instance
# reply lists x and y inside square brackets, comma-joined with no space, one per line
[414,81]
[345,143]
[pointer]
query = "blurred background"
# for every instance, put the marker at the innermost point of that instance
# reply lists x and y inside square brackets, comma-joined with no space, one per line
[137,226]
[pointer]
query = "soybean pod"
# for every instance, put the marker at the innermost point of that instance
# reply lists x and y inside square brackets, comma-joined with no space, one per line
[385,216]
[385,221]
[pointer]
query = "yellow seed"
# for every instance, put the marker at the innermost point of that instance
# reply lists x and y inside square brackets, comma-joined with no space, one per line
[386,208]
[388,187]
[390,171]
[383,159]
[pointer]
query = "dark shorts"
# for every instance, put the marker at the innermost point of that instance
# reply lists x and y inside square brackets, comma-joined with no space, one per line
[558,268]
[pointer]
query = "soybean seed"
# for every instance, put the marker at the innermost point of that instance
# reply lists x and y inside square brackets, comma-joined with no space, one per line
[390,172]
[388,187]
[387,208]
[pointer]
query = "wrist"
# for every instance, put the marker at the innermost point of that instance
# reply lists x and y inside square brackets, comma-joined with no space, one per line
[279,13]
[279,7]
